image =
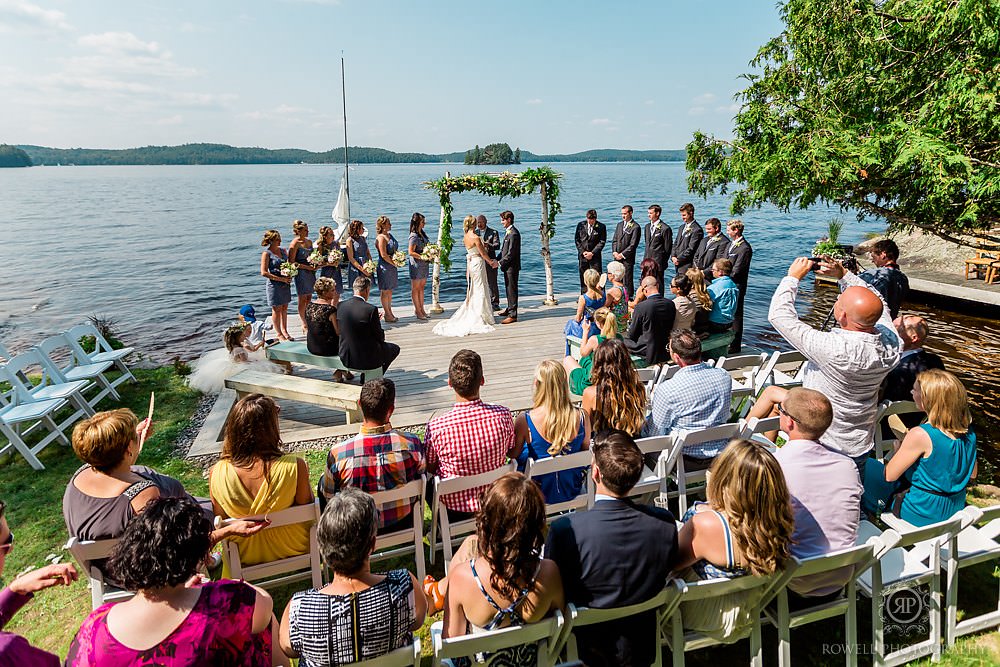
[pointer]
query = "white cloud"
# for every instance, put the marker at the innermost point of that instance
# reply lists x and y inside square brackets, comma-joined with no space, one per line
[601,121]
[696,111]
[649,103]
[290,115]
[24,16]
[704,99]
[728,108]
[176,119]
[114,43]
[533,101]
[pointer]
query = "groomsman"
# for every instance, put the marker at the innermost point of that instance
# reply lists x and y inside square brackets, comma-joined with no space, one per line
[659,242]
[688,237]
[491,240]
[510,264]
[625,244]
[713,246]
[739,253]
[591,236]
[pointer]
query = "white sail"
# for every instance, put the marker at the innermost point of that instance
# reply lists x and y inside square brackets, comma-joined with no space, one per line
[341,212]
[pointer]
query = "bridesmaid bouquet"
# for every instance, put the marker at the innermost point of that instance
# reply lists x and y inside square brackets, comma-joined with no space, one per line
[289,270]
[399,258]
[431,252]
[370,267]
[335,257]
[316,257]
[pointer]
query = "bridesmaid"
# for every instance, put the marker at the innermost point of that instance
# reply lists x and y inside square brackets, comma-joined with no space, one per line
[418,265]
[325,245]
[388,276]
[299,251]
[357,252]
[279,290]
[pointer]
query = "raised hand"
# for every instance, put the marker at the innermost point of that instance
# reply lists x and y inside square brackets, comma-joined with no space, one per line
[59,574]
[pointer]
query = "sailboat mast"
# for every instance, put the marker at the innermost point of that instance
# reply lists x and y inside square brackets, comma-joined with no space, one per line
[347,174]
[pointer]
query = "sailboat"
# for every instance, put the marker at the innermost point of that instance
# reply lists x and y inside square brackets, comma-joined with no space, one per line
[342,211]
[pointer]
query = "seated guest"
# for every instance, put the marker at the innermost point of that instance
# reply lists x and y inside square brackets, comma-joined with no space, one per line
[616,398]
[725,297]
[499,578]
[359,615]
[616,554]
[362,340]
[322,331]
[15,650]
[699,294]
[592,299]
[170,621]
[913,360]
[824,488]
[648,267]
[697,396]
[651,323]
[617,295]
[552,427]
[936,460]
[684,306]
[744,528]
[379,458]
[471,438]
[254,477]
[579,372]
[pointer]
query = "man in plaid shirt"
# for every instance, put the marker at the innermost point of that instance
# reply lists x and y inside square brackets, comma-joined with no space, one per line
[379,458]
[472,438]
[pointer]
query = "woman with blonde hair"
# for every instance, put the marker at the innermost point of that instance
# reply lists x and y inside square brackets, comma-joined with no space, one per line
[279,290]
[476,314]
[936,460]
[616,398]
[579,372]
[357,252]
[592,299]
[745,528]
[700,296]
[552,427]
[254,477]
[299,250]
[387,273]
[325,245]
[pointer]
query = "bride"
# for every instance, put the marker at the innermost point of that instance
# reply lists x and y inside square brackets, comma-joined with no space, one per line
[476,314]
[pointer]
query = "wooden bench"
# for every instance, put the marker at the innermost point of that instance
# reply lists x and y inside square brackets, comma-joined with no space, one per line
[296,352]
[305,390]
[712,347]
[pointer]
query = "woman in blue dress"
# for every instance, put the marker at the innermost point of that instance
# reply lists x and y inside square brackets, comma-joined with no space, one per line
[935,461]
[279,290]
[388,277]
[418,265]
[299,250]
[326,244]
[552,427]
[357,253]
[586,305]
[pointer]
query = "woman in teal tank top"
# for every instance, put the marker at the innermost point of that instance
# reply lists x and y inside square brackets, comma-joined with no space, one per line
[579,371]
[935,461]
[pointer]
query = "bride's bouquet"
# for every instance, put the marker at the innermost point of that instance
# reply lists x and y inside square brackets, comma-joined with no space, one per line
[399,258]
[335,257]
[370,267]
[316,257]
[431,252]
[289,270]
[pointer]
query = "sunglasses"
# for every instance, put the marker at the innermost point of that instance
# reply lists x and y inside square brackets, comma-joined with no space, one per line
[8,544]
[782,410]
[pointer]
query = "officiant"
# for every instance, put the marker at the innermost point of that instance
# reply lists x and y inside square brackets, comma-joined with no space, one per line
[591,236]
[492,242]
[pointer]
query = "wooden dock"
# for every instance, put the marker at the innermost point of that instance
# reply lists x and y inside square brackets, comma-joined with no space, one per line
[510,355]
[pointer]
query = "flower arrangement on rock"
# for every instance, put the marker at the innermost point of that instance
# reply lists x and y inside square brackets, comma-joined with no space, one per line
[828,246]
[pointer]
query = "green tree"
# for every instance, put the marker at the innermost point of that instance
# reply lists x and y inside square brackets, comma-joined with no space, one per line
[887,107]
[517,155]
[477,155]
[12,156]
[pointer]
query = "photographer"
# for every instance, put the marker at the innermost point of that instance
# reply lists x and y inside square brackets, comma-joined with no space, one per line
[885,276]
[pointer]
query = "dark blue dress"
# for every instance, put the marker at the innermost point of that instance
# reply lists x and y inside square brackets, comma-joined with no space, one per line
[304,280]
[387,273]
[418,267]
[278,293]
[335,273]
[361,255]
[557,487]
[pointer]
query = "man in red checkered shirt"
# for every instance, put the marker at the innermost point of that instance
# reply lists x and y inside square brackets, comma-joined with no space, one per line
[472,438]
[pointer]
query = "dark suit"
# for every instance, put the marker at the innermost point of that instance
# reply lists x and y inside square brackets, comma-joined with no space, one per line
[614,555]
[649,330]
[491,240]
[626,242]
[710,248]
[898,384]
[590,241]
[687,245]
[659,246]
[510,264]
[362,341]
[740,254]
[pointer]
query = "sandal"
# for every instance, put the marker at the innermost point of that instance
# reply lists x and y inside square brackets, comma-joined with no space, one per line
[434,597]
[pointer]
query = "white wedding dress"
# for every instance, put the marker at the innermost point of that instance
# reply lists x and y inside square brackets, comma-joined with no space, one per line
[475,316]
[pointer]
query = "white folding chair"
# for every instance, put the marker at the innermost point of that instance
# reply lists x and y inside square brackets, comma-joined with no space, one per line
[15,411]
[688,482]
[743,369]
[407,540]
[913,561]
[652,477]
[88,552]
[555,464]
[408,656]
[76,368]
[853,561]
[887,409]
[649,373]
[286,570]
[755,428]
[452,532]
[102,351]
[662,604]
[784,369]
[17,370]
[759,592]
[547,634]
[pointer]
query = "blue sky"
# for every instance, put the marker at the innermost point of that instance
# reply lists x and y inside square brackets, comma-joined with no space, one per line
[548,76]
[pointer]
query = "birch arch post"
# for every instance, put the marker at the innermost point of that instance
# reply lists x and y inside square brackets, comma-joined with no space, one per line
[504,184]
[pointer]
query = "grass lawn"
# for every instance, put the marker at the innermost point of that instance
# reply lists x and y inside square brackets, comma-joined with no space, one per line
[34,511]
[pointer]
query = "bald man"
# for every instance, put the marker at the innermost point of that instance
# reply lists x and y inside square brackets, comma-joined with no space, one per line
[649,329]
[847,365]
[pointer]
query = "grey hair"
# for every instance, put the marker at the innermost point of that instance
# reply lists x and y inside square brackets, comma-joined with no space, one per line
[346,530]
[617,270]
[361,284]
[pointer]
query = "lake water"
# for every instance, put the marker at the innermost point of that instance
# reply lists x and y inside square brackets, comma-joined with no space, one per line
[171,253]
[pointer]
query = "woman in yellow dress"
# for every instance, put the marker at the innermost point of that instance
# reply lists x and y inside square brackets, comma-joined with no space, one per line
[255,478]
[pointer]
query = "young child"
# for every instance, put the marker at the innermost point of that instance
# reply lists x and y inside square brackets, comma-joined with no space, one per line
[209,373]
[259,329]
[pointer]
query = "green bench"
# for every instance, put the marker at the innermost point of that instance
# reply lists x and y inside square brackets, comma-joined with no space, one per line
[712,347]
[293,351]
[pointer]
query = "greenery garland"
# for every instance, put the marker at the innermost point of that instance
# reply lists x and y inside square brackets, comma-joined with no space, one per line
[506,184]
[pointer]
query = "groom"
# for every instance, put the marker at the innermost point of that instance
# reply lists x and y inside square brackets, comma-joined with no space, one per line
[510,264]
